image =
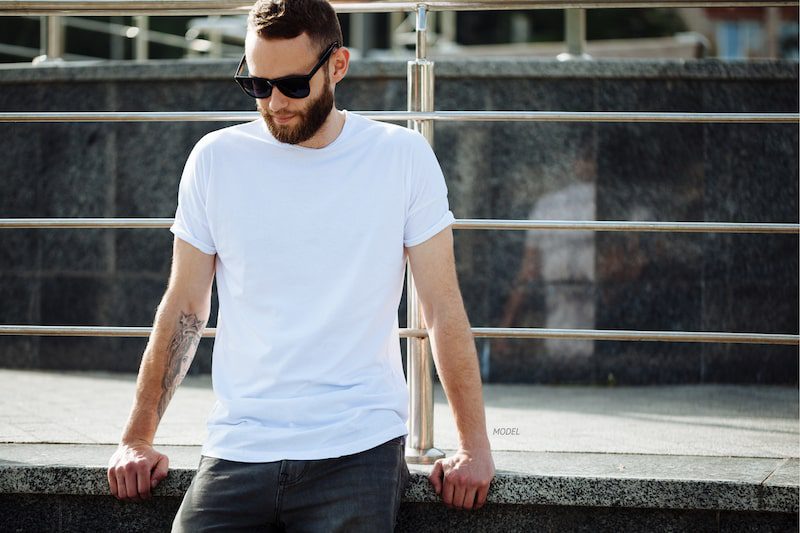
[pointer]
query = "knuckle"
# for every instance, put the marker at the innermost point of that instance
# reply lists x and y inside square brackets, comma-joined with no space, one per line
[453,477]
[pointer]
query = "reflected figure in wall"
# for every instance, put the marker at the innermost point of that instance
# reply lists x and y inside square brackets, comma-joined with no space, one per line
[559,267]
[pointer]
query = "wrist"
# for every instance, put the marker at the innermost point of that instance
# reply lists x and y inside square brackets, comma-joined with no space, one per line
[135,441]
[477,443]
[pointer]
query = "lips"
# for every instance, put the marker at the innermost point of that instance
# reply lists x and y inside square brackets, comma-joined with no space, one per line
[282,119]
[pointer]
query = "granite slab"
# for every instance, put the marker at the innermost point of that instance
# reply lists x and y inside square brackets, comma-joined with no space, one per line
[525,478]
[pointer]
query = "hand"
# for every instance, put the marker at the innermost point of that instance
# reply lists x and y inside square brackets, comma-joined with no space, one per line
[134,470]
[463,479]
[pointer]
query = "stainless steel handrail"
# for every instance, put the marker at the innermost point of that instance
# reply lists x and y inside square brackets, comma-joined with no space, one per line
[518,333]
[636,226]
[471,223]
[236,7]
[400,116]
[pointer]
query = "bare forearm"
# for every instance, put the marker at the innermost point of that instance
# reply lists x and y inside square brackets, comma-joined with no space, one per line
[456,360]
[177,330]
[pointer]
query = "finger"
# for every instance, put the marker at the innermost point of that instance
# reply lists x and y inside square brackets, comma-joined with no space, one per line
[160,471]
[483,492]
[122,492]
[131,485]
[436,477]
[447,492]
[469,498]
[112,481]
[143,483]
[458,495]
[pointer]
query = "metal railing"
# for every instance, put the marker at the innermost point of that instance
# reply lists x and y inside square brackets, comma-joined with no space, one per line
[420,116]
[475,223]
[421,333]
[236,7]
[416,115]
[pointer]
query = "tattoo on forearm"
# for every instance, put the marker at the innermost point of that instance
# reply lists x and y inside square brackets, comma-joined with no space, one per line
[180,352]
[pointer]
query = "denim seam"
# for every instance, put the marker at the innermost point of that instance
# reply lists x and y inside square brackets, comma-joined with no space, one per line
[278,494]
[402,482]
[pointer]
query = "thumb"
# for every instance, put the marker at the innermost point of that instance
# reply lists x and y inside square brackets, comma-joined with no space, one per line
[159,471]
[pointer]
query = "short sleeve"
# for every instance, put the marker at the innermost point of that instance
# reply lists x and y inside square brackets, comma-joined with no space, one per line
[427,208]
[191,218]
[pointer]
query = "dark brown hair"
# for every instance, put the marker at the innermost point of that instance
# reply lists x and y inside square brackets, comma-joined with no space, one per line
[286,19]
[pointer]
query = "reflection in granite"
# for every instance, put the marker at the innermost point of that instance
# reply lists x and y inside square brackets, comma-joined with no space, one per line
[555,279]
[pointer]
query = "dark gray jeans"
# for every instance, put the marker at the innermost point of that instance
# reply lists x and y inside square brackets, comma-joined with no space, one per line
[358,492]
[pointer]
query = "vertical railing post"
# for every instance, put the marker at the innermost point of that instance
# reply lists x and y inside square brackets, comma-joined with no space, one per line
[215,36]
[575,30]
[43,36]
[772,26]
[419,445]
[55,39]
[141,41]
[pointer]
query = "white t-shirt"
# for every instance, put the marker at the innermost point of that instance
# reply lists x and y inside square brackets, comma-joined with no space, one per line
[310,268]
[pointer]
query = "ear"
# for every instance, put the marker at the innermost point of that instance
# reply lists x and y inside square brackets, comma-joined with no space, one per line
[339,63]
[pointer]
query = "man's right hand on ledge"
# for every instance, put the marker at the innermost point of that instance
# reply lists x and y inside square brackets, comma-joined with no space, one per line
[134,470]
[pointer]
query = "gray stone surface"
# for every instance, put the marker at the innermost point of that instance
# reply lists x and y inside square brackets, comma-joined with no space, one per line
[525,478]
[638,171]
[60,513]
[34,513]
[787,474]
[526,518]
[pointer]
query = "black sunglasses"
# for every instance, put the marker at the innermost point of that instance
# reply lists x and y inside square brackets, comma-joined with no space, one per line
[290,86]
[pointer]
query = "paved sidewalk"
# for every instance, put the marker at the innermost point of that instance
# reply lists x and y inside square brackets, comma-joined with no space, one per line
[701,420]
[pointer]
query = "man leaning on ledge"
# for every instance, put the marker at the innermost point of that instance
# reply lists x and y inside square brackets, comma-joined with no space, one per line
[306,217]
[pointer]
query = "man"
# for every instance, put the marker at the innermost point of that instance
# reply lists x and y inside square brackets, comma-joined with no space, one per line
[306,218]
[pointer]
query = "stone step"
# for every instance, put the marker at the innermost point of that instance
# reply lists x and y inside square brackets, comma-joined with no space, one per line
[61,487]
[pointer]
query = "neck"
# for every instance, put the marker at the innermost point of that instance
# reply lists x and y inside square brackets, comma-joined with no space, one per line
[328,132]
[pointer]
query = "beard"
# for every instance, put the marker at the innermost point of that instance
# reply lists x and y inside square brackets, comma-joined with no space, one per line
[310,119]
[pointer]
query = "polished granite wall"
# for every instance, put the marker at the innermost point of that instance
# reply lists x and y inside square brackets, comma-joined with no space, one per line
[633,171]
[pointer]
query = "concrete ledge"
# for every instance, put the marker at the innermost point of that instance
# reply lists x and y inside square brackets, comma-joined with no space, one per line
[742,484]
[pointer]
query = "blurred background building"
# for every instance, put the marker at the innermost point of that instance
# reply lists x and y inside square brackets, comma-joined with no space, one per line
[728,33]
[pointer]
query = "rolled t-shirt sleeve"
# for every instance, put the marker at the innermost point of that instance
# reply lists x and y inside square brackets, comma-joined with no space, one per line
[191,219]
[427,207]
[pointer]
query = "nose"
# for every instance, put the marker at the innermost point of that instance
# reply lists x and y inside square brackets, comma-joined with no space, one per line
[277,100]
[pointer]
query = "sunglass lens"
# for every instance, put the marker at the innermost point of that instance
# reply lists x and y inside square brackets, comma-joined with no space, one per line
[294,88]
[261,89]
[255,88]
